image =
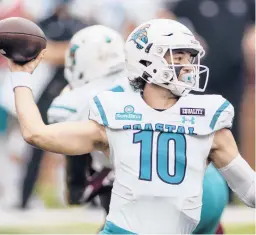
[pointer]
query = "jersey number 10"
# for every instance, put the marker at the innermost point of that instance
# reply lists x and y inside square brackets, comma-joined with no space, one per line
[145,139]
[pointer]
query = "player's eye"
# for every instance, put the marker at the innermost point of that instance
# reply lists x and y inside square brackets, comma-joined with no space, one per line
[179,58]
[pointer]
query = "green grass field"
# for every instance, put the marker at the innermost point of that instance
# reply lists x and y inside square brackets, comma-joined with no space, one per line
[93,228]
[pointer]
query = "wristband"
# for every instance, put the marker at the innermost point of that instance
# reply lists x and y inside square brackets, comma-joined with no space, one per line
[21,79]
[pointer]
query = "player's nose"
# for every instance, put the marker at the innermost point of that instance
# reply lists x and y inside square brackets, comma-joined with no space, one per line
[187,69]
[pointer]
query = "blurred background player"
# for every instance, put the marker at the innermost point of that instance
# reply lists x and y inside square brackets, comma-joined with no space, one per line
[94,63]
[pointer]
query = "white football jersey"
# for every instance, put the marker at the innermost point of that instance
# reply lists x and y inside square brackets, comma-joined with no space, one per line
[73,105]
[159,157]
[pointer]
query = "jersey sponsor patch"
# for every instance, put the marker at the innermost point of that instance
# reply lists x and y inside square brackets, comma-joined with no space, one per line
[192,111]
[128,114]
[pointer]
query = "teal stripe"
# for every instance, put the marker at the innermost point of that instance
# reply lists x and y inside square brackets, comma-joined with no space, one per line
[111,228]
[117,89]
[101,111]
[218,113]
[63,107]
[3,120]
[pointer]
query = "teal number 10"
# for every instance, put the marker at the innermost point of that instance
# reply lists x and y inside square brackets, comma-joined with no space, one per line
[145,139]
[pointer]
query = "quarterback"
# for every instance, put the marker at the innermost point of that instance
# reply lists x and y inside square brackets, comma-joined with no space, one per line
[94,64]
[159,137]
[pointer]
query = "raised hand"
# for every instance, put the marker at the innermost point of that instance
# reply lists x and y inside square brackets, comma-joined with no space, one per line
[28,67]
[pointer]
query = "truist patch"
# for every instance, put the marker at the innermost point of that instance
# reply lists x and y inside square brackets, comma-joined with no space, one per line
[192,111]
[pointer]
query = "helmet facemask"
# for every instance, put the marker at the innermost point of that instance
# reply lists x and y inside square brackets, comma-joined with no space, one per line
[179,78]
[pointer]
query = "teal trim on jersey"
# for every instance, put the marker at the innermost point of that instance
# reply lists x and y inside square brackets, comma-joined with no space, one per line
[117,89]
[101,111]
[111,228]
[218,113]
[63,107]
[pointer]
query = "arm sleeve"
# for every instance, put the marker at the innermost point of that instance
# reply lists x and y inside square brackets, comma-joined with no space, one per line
[241,179]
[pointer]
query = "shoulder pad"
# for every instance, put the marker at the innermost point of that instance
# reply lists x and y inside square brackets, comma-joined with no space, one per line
[218,112]
[122,86]
[223,115]
[104,106]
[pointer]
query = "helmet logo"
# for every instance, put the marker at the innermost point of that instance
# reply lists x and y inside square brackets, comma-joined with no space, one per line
[72,52]
[141,35]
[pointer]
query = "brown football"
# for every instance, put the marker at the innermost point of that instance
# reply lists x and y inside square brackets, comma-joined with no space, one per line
[21,40]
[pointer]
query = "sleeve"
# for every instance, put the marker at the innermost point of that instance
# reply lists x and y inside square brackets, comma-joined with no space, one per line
[223,116]
[97,111]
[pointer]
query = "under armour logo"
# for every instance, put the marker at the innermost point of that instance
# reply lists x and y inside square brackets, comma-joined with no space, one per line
[192,120]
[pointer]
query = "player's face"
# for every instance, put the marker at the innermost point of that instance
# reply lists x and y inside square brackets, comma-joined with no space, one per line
[180,57]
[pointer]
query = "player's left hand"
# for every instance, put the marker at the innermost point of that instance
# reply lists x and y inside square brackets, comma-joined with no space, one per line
[28,67]
[99,183]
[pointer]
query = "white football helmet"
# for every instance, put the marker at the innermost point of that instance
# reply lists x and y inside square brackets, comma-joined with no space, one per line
[96,51]
[147,46]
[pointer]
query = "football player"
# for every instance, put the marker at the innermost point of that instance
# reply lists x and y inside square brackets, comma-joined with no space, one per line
[159,137]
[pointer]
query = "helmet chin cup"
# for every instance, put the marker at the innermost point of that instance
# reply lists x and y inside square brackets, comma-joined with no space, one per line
[188,78]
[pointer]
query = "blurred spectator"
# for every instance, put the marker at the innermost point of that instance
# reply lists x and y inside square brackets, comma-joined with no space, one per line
[247,114]
[136,14]
[110,13]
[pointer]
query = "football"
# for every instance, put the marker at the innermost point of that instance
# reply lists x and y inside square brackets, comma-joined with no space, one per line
[21,40]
